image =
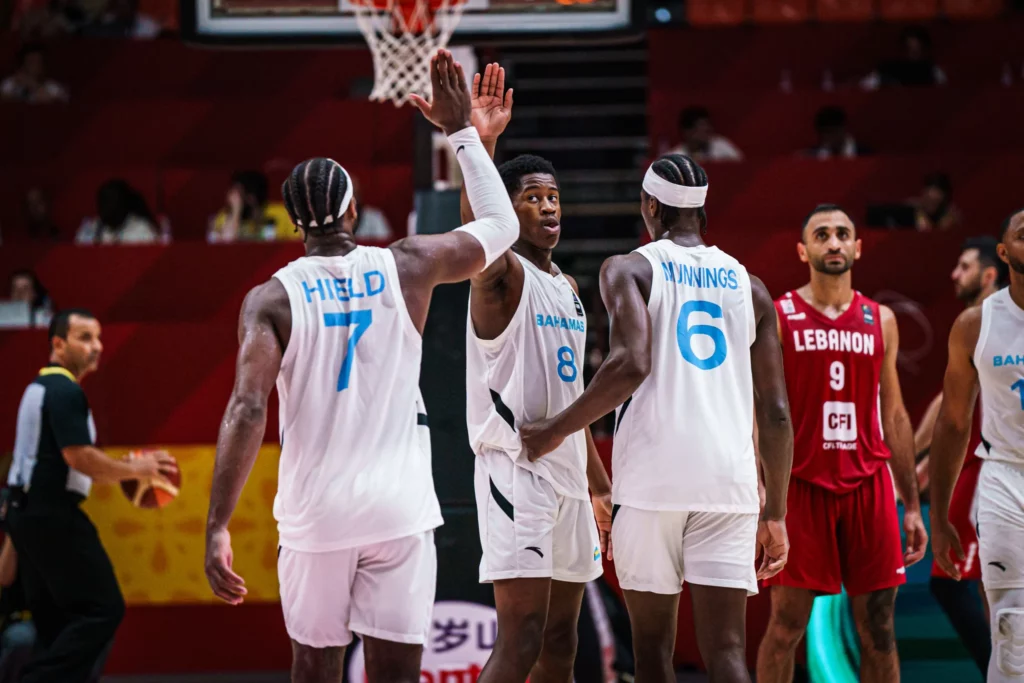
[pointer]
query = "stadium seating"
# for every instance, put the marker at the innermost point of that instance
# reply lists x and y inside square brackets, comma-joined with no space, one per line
[176,121]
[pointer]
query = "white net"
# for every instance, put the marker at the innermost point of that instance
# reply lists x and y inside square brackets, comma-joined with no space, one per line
[403,35]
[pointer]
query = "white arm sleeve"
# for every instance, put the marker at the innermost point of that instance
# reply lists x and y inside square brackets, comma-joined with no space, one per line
[496,226]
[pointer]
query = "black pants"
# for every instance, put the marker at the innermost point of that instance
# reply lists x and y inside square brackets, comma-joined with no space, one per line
[70,588]
[962,604]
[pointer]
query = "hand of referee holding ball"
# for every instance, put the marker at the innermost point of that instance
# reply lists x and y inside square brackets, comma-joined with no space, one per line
[153,464]
[450,105]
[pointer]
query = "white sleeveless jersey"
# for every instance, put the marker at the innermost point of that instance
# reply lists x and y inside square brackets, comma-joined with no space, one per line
[355,452]
[684,440]
[531,371]
[999,360]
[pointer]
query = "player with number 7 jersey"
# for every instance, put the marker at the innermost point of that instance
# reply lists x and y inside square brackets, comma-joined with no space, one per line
[340,333]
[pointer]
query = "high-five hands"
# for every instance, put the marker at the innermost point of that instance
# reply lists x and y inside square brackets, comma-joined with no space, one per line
[450,104]
[492,105]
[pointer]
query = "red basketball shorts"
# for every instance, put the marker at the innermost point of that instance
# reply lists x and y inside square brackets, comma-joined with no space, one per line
[851,540]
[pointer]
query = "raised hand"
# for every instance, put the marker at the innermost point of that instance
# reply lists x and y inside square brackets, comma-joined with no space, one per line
[492,105]
[449,108]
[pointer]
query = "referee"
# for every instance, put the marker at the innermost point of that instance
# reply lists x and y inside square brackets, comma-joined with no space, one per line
[69,582]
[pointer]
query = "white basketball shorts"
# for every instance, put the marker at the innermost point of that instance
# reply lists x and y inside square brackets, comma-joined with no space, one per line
[1000,501]
[384,590]
[655,551]
[527,530]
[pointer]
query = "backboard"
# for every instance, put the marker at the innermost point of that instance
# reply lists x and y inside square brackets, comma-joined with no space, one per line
[334,20]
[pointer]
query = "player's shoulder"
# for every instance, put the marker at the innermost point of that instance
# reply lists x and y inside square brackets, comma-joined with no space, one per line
[621,267]
[969,320]
[267,300]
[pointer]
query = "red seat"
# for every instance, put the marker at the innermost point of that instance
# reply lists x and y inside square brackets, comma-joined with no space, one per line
[846,10]
[781,11]
[716,12]
[973,9]
[909,10]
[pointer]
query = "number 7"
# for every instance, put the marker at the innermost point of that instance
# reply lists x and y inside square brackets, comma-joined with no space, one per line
[362,321]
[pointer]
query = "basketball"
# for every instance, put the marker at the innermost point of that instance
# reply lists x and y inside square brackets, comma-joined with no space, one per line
[151,492]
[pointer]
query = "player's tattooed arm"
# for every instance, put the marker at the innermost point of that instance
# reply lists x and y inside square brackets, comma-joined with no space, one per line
[263,330]
[625,285]
[899,436]
[952,434]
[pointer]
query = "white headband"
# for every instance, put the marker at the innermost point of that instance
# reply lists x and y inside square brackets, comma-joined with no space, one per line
[681,196]
[345,201]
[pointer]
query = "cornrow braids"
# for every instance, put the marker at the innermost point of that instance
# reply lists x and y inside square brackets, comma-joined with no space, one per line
[680,169]
[316,195]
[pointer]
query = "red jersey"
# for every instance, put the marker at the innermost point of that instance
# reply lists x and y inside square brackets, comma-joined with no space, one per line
[833,373]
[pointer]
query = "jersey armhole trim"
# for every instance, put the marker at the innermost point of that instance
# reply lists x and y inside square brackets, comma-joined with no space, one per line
[748,295]
[407,324]
[654,300]
[289,353]
[986,323]
[513,324]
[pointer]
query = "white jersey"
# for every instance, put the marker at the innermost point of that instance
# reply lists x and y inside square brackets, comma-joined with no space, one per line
[684,440]
[531,371]
[355,452]
[999,360]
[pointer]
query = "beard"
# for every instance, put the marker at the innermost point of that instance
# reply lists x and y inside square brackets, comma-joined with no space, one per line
[820,265]
[1016,264]
[969,292]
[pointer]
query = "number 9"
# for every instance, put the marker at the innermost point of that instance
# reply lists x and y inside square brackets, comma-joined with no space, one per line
[838,374]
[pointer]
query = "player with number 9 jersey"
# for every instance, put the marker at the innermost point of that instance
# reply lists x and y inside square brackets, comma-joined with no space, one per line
[833,371]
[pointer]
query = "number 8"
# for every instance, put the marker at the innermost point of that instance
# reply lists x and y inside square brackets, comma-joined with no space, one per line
[564,363]
[838,373]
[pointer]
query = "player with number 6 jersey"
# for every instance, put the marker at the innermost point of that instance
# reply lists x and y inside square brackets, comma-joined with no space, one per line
[693,354]
[850,423]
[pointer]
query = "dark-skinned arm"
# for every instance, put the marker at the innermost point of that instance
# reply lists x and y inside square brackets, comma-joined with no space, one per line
[242,430]
[600,495]
[899,436]
[774,431]
[952,434]
[424,261]
[624,369]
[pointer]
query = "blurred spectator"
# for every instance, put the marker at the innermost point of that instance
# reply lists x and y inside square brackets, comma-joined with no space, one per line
[122,19]
[17,632]
[122,217]
[51,20]
[934,207]
[700,142]
[40,223]
[371,223]
[834,138]
[26,287]
[30,82]
[248,215]
[916,67]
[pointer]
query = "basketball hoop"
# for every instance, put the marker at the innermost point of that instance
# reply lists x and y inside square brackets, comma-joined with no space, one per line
[403,35]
